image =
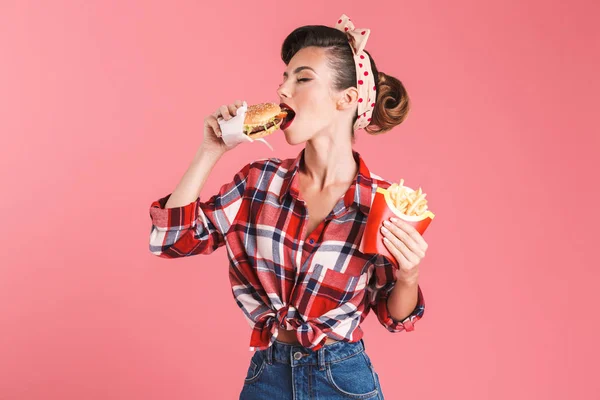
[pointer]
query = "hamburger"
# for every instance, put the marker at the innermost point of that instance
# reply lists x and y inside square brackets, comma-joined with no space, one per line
[263,119]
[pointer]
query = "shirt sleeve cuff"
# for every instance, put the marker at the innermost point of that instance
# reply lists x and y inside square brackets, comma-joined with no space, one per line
[173,218]
[407,324]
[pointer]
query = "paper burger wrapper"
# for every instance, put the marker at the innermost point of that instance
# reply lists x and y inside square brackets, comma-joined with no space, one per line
[233,130]
[383,209]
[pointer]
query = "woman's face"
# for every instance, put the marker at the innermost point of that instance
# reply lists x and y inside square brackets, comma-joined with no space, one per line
[307,88]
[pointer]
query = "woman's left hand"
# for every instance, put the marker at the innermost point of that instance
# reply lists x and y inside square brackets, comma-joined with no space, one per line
[407,246]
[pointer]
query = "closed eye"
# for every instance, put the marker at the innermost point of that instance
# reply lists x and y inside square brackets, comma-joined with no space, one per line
[299,80]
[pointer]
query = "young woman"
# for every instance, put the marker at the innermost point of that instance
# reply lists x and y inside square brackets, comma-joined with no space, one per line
[292,228]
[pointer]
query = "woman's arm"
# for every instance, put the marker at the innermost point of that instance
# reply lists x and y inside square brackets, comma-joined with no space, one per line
[403,300]
[183,225]
[189,187]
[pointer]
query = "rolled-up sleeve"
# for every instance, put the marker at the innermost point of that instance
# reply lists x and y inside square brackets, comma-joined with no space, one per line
[379,288]
[198,227]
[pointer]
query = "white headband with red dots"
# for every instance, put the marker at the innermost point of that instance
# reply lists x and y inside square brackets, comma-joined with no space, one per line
[367,92]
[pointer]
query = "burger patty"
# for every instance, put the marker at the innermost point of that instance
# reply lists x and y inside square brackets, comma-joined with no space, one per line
[265,127]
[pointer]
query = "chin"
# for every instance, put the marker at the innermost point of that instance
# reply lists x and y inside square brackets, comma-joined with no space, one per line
[293,139]
[289,138]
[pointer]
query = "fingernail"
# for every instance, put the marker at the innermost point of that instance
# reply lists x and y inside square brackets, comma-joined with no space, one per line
[394,220]
[386,223]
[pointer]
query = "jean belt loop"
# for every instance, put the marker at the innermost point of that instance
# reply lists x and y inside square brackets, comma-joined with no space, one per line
[270,354]
[321,358]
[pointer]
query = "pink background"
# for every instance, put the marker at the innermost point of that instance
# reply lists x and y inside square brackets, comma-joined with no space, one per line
[101,111]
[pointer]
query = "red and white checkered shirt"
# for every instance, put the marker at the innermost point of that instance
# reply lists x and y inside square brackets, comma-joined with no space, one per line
[321,287]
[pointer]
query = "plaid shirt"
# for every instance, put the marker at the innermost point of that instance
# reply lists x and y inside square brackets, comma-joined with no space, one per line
[321,287]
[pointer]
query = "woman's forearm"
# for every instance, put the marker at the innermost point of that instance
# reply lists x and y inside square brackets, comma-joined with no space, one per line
[403,299]
[189,187]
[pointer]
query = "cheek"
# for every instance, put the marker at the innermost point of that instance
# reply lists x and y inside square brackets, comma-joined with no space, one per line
[323,115]
[319,108]
[315,108]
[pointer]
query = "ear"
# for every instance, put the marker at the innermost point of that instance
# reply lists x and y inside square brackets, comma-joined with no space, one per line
[348,98]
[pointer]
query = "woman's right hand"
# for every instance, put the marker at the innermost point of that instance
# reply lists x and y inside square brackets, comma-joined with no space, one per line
[212,131]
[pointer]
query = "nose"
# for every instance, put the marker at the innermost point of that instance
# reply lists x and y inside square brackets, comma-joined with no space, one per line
[282,91]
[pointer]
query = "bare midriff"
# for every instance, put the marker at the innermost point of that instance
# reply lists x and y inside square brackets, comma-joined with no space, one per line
[289,336]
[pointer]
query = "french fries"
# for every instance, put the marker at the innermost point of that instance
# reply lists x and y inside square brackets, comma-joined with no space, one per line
[406,200]
[396,201]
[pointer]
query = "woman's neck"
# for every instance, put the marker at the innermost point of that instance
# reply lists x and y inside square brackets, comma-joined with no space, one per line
[328,163]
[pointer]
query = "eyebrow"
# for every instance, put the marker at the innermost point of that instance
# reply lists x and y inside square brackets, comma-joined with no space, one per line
[300,69]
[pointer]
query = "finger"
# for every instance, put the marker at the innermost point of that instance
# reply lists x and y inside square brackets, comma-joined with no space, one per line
[232,109]
[409,256]
[413,240]
[239,103]
[400,246]
[402,261]
[408,228]
[212,122]
[406,239]
[208,118]
[225,112]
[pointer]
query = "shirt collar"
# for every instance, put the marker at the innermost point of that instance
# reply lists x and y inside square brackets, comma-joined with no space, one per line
[360,192]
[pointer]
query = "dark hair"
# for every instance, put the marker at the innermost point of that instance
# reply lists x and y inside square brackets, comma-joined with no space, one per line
[392,103]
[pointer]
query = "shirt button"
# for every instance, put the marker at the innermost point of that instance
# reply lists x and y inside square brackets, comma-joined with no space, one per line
[297,355]
[311,241]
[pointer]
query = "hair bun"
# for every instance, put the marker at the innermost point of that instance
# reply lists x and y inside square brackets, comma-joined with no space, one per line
[392,105]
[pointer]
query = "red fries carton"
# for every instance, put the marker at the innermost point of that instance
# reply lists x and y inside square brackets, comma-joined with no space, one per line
[397,201]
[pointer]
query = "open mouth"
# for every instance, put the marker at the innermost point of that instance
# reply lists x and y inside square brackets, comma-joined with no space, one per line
[289,118]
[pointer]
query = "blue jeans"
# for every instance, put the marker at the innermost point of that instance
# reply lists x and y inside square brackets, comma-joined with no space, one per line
[339,370]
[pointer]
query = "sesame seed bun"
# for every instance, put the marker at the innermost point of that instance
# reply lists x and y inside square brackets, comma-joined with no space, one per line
[263,119]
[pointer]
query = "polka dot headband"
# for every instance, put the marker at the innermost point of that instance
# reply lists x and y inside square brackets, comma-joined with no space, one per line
[367,94]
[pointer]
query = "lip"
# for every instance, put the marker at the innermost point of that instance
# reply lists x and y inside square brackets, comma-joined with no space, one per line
[286,107]
[287,122]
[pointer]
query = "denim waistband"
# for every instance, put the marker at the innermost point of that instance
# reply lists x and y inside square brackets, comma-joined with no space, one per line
[296,355]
